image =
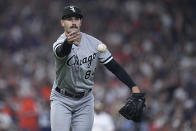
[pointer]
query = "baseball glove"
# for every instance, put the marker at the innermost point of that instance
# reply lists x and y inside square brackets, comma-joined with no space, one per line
[134,107]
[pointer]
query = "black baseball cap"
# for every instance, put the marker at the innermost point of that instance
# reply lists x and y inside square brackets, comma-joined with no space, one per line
[70,11]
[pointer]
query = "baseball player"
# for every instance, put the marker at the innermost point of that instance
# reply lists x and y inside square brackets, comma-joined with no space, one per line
[76,57]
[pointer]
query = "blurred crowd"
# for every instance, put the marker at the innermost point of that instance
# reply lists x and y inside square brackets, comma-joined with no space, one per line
[154,40]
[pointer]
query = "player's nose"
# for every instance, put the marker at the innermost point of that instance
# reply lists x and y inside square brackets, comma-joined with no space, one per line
[74,21]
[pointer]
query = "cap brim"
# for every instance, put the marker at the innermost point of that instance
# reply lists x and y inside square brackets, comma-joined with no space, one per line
[72,15]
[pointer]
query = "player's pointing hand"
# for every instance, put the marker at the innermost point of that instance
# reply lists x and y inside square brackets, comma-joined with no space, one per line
[73,37]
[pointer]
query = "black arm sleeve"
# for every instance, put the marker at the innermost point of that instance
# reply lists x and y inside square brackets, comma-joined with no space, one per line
[122,75]
[64,49]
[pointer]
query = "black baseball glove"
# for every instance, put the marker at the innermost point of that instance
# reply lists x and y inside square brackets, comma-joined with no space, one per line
[134,107]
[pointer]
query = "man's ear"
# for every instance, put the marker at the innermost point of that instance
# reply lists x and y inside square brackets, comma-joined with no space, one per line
[62,23]
[80,22]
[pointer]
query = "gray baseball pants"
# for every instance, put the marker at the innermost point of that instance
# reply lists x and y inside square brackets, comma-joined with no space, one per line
[66,111]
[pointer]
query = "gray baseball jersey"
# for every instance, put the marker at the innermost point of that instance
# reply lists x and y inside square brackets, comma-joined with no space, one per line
[75,72]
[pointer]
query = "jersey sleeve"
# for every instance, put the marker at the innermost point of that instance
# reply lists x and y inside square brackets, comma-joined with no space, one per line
[59,42]
[105,57]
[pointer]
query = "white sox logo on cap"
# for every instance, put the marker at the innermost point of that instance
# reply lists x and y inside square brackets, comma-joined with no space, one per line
[72,8]
[70,11]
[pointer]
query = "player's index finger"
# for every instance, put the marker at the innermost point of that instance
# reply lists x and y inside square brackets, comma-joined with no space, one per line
[73,32]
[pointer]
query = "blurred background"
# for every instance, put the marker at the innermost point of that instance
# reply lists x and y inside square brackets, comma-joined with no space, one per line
[154,40]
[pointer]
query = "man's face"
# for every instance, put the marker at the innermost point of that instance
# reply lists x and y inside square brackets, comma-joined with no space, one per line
[71,24]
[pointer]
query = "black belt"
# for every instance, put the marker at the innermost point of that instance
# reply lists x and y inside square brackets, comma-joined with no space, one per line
[75,95]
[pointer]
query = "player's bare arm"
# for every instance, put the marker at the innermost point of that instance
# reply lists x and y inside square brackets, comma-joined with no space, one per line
[135,89]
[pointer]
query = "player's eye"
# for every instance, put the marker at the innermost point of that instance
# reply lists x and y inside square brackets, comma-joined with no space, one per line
[76,18]
[69,19]
[72,18]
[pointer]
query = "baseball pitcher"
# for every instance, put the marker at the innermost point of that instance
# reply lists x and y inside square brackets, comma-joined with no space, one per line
[76,57]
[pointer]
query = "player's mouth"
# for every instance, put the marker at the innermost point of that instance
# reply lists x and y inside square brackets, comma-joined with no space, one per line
[74,27]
